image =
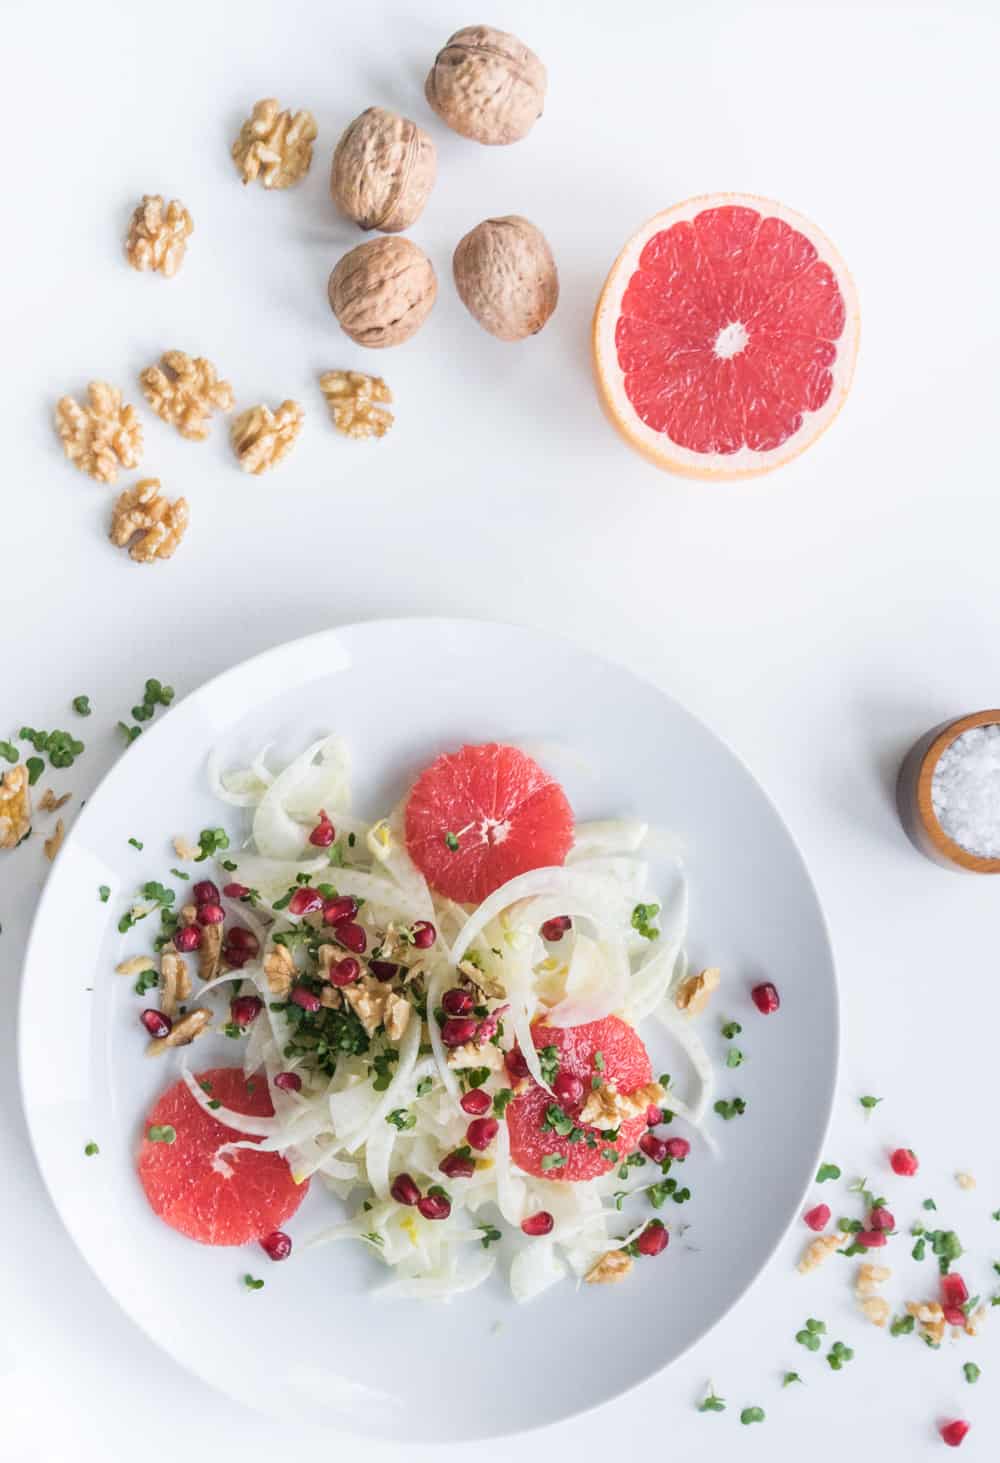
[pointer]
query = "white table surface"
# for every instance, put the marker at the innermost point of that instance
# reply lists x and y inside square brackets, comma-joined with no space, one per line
[820,620]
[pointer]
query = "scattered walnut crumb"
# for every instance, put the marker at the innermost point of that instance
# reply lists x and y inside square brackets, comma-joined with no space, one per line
[147,522]
[185,850]
[15,806]
[930,1317]
[157,238]
[375,1003]
[209,952]
[869,1278]
[694,994]
[185,390]
[184,1031]
[471,1054]
[103,435]
[974,1321]
[606,1107]
[610,1268]
[175,983]
[352,398]
[818,1250]
[54,842]
[135,965]
[965,1181]
[876,1309]
[275,146]
[397,1016]
[261,437]
[189,912]
[49,803]
[279,968]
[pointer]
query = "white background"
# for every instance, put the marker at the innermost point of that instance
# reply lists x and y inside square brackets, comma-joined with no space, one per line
[820,620]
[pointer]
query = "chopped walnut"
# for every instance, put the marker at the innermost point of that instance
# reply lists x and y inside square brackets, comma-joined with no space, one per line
[975,1321]
[818,1250]
[15,806]
[274,146]
[103,435]
[279,968]
[135,965]
[471,1054]
[965,1181]
[189,912]
[261,437]
[147,522]
[352,398]
[606,1107]
[876,1309]
[49,803]
[869,1278]
[329,996]
[53,843]
[175,983]
[182,1032]
[184,849]
[375,1004]
[185,390]
[931,1318]
[209,952]
[397,1016]
[694,994]
[610,1268]
[156,239]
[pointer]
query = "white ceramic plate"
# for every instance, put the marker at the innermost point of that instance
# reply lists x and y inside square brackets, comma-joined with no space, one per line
[316,1343]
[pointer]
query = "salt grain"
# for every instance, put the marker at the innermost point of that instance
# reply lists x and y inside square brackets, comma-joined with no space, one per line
[965,790]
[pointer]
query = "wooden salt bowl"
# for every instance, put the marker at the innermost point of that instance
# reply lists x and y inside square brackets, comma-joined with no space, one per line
[913,796]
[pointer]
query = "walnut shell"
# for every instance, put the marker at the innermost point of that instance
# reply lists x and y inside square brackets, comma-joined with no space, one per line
[382,291]
[506,276]
[487,85]
[384,168]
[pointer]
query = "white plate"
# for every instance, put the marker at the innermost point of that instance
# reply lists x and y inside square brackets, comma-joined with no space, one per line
[316,1343]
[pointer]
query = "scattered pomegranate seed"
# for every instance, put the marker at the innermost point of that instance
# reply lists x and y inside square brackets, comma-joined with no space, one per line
[457,1002]
[954,1433]
[765,997]
[205,892]
[678,1148]
[424,934]
[540,1223]
[211,914]
[434,1206]
[187,939]
[654,1238]
[300,995]
[457,1166]
[554,929]
[235,891]
[404,1190]
[384,969]
[870,1239]
[324,833]
[954,1291]
[954,1315]
[476,1102]
[288,1081]
[881,1218]
[481,1132]
[240,938]
[904,1162]
[235,959]
[305,901]
[654,1115]
[245,1009]
[156,1023]
[654,1148]
[351,936]
[277,1245]
[334,910]
[456,1031]
[344,972]
[517,1067]
[568,1089]
[818,1218]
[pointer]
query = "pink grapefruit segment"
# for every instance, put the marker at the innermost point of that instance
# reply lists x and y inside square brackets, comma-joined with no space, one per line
[480,816]
[725,336]
[228,1202]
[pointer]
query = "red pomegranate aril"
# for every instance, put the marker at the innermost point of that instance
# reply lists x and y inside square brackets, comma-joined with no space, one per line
[288,1081]
[654,1115]
[457,1030]
[481,1132]
[954,1315]
[490,1025]
[300,995]
[205,892]
[540,1223]
[654,1238]
[187,939]
[870,1239]
[235,959]
[384,969]
[351,936]
[245,1009]
[434,1206]
[953,1433]
[324,833]
[239,938]
[881,1218]
[344,972]
[765,997]
[554,929]
[404,1190]
[424,934]
[654,1148]
[568,1089]
[277,1245]
[678,1148]
[457,1002]
[211,914]
[476,1102]
[904,1162]
[954,1291]
[235,891]
[156,1023]
[817,1218]
[457,1166]
[517,1067]
[305,901]
[343,907]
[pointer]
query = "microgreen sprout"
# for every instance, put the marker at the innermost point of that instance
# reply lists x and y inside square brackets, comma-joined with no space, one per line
[712,1403]
[827,1171]
[642,917]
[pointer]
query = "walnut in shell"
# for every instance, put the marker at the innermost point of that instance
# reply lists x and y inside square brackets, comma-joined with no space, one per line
[506,277]
[487,85]
[383,170]
[383,291]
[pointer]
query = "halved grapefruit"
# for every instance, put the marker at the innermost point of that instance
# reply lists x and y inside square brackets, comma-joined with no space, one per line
[725,336]
[480,816]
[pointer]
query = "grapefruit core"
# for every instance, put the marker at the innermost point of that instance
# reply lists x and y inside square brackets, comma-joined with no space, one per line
[725,337]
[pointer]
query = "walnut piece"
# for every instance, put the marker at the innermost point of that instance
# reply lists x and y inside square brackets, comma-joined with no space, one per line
[185,390]
[53,843]
[382,292]
[819,1250]
[156,239]
[175,983]
[397,1016]
[383,171]
[279,968]
[101,436]
[184,1031]
[147,522]
[352,397]
[15,806]
[965,1181]
[506,277]
[275,146]
[487,85]
[610,1268]
[49,803]
[471,1054]
[869,1278]
[135,965]
[931,1318]
[329,996]
[606,1107]
[185,849]
[375,1004]
[261,437]
[209,952]
[876,1309]
[694,994]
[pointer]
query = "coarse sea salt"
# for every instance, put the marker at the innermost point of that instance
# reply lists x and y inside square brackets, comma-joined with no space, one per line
[965,790]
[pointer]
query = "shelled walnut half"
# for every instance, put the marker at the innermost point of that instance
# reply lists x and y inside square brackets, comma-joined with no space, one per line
[262,437]
[103,435]
[185,390]
[353,399]
[158,234]
[147,522]
[275,146]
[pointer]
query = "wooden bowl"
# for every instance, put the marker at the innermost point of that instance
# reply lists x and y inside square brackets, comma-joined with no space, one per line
[913,796]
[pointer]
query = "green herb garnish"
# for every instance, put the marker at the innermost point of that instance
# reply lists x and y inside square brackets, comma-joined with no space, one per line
[90,1149]
[81,705]
[902,1326]
[161,1133]
[868,1103]
[548,1058]
[809,1336]
[490,1235]
[971,1372]
[35,767]
[553,1160]
[252,1284]
[642,914]
[501,1101]
[727,1110]
[838,1354]
[752,1414]
[731,1029]
[451,842]
[734,1057]
[401,1119]
[789,1378]
[827,1171]
[210,841]
[712,1403]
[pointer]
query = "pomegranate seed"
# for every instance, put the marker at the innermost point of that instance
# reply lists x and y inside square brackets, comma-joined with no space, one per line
[654,1148]
[334,910]
[240,938]
[205,892]
[424,934]
[434,1206]
[324,833]
[277,1245]
[765,997]
[457,1166]
[870,1239]
[351,936]
[954,1315]
[568,1089]
[953,1433]
[818,1218]
[404,1190]
[654,1115]
[384,969]
[458,1030]
[211,914]
[188,939]
[477,1102]
[678,1148]
[904,1162]
[457,1002]
[288,1081]
[302,996]
[881,1218]
[954,1291]
[517,1067]
[654,1238]
[235,959]
[156,1023]
[344,972]
[245,1009]
[554,929]
[540,1223]
[304,901]
[235,891]
[481,1132]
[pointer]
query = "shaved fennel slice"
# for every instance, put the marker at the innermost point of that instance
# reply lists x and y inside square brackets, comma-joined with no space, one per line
[273,877]
[591,890]
[654,977]
[436,987]
[242,788]
[596,983]
[276,833]
[401,868]
[229,1118]
[533,1269]
[387,1100]
[511,1188]
[607,836]
[457,1277]
[694,1049]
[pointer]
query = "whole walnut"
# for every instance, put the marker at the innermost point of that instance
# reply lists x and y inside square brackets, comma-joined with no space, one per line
[506,276]
[382,291]
[487,85]
[383,171]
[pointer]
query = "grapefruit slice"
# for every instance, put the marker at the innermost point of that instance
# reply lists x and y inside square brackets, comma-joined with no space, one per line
[217,1202]
[480,816]
[626,1063]
[725,337]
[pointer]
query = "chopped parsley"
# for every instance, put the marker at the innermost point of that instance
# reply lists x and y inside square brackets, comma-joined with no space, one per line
[90,1149]
[490,1235]
[104,892]
[451,842]
[869,1103]
[734,1057]
[82,706]
[827,1171]
[751,1414]
[553,1160]
[727,1110]
[971,1372]
[642,915]
[162,1133]
[252,1283]
[712,1403]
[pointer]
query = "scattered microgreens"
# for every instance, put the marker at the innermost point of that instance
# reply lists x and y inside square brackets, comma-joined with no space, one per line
[147,980]
[10,752]
[712,1403]
[902,1326]
[129,732]
[233,1030]
[383,1062]
[81,705]
[599,1061]
[179,874]
[996,1215]
[751,1414]
[548,1057]
[90,1149]
[451,842]
[501,1100]
[789,1378]
[62,747]
[104,892]
[734,1057]
[731,1029]
[490,1235]
[945,1244]
[35,767]
[919,1249]
[210,841]
[642,916]
[827,1171]
[476,1076]
[553,1160]
[161,1133]
[928,1204]
[809,1336]
[838,1354]
[337,854]
[869,1103]
[971,1372]
[137,843]
[252,1284]
[620,1195]
[424,1086]
[401,1119]
[726,1110]
[634,1160]
[610,1155]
